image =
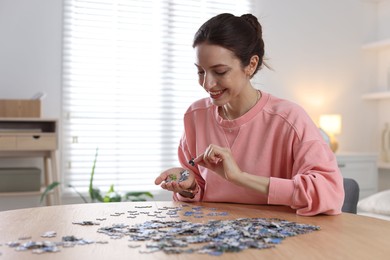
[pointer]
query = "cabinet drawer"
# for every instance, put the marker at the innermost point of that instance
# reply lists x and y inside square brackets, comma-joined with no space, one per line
[362,172]
[7,142]
[36,142]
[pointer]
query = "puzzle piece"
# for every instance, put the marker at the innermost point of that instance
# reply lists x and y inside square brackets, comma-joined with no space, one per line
[219,236]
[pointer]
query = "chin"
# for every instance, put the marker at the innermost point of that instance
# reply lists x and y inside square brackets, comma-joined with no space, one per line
[216,102]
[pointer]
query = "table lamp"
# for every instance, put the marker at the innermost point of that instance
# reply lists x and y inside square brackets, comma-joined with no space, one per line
[331,124]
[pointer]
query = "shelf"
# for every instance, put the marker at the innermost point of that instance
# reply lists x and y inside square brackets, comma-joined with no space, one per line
[384,165]
[377,45]
[24,193]
[377,95]
[32,137]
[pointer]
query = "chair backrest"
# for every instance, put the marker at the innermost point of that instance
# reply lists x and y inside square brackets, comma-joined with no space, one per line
[351,189]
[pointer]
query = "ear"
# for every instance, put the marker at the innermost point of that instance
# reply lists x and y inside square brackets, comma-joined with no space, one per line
[250,69]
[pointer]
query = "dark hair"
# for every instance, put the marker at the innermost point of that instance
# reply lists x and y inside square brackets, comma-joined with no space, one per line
[240,34]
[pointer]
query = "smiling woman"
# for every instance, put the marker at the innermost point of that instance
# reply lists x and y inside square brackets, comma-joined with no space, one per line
[128,77]
[249,146]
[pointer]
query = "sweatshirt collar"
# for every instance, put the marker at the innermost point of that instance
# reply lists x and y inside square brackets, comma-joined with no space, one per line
[245,118]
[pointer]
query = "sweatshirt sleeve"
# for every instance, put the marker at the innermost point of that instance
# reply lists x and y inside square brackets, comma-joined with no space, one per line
[316,186]
[184,156]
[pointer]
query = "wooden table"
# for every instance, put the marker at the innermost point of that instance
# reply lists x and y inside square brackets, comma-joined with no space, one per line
[346,236]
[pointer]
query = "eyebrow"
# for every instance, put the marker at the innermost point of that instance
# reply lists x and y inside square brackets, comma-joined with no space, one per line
[214,66]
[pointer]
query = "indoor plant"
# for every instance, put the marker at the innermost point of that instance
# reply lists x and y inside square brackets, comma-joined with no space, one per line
[95,195]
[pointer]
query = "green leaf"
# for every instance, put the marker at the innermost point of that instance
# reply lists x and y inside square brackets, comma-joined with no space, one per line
[111,188]
[81,195]
[48,189]
[92,192]
[112,196]
[137,196]
[95,195]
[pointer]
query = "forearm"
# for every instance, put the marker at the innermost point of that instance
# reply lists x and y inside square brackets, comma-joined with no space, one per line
[257,183]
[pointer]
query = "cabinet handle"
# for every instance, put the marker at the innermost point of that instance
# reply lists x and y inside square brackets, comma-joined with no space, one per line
[36,136]
[341,165]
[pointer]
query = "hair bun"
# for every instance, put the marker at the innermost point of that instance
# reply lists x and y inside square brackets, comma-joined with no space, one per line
[252,20]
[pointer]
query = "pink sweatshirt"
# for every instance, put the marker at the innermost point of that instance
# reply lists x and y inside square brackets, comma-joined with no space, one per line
[275,139]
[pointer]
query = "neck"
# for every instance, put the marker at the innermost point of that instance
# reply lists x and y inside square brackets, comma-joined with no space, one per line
[230,112]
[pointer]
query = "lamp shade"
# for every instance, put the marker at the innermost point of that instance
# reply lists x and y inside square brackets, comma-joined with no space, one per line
[331,124]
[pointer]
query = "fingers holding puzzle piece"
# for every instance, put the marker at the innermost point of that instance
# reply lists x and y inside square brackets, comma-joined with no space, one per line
[183,176]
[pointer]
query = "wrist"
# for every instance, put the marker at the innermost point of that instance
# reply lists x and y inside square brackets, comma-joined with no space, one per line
[190,192]
[257,183]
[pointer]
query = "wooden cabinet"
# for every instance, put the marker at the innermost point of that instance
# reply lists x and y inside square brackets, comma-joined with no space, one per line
[32,137]
[362,168]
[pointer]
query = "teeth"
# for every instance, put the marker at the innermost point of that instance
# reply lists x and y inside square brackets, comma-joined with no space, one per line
[216,92]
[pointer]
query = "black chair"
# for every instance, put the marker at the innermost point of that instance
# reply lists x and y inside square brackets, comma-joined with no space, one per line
[351,189]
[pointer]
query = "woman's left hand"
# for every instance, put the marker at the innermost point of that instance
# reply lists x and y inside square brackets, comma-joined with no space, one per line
[170,180]
[220,160]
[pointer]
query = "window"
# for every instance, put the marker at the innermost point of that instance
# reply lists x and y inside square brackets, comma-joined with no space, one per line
[128,77]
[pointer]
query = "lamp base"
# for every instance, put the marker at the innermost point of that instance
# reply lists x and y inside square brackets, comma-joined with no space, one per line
[334,145]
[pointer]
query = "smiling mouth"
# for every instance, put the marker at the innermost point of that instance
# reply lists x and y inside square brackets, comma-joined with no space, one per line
[216,94]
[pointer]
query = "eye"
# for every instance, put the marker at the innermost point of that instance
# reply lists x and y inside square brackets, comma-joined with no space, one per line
[220,73]
[200,72]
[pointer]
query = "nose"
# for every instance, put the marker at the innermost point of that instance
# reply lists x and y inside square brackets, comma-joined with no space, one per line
[208,81]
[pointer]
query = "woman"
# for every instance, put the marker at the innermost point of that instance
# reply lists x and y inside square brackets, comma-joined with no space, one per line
[249,146]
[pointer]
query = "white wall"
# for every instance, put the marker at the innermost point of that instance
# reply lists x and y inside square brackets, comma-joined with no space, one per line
[30,51]
[315,50]
[383,19]
[313,46]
